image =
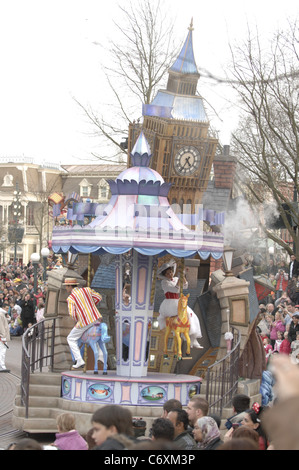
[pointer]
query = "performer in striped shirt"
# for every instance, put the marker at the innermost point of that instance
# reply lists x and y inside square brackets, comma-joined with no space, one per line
[82,306]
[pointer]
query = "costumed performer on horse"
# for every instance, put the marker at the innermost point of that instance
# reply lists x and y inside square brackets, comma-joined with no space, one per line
[82,307]
[169,307]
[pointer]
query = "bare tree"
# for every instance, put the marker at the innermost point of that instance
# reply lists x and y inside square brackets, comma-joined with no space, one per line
[139,60]
[266,143]
[38,205]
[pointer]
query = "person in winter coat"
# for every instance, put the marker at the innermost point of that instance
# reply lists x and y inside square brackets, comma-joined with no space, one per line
[240,403]
[293,328]
[108,423]
[276,325]
[285,347]
[68,438]
[27,314]
[266,388]
[207,434]
[182,438]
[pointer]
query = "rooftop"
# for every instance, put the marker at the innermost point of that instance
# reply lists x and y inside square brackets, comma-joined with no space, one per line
[96,168]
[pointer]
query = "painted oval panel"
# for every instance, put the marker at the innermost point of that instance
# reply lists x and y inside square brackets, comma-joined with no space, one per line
[153,393]
[194,390]
[66,387]
[99,391]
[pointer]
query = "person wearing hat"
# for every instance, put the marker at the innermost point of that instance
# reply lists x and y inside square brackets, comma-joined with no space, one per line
[82,307]
[169,307]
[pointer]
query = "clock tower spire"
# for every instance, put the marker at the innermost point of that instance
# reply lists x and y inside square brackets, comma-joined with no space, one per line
[183,74]
[176,126]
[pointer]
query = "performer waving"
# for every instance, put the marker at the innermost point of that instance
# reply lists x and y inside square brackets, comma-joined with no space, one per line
[169,306]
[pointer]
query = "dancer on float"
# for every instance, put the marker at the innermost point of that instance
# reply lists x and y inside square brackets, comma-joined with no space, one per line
[82,307]
[169,306]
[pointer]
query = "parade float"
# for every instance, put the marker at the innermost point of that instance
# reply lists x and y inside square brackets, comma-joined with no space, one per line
[138,226]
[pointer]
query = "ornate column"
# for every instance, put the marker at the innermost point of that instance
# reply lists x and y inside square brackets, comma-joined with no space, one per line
[233,297]
[134,312]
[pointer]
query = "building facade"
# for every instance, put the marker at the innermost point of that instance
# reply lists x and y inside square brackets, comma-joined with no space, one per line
[25,190]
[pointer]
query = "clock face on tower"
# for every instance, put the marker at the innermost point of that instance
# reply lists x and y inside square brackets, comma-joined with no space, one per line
[187,160]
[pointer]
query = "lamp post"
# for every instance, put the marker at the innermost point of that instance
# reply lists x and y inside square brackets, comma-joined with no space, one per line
[227,260]
[45,253]
[35,260]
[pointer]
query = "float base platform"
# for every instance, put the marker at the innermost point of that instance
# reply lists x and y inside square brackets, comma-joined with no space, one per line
[153,390]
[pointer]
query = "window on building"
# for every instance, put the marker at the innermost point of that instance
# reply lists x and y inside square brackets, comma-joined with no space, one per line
[8,180]
[85,188]
[103,190]
[30,214]
[84,191]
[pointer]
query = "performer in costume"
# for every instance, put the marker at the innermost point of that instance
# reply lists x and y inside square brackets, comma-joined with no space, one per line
[169,306]
[82,306]
[4,337]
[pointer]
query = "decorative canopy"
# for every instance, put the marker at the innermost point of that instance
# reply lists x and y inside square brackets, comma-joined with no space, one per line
[139,216]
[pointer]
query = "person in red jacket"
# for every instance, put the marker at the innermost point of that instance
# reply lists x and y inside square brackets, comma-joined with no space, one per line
[285,347]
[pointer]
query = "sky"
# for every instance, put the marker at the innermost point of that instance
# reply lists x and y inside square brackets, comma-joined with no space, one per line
[52,51]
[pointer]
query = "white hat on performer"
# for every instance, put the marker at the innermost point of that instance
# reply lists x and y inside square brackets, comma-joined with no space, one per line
[170,264]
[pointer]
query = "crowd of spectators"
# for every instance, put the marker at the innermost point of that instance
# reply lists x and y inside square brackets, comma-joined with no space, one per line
[278,322]
[284,277]
[266,426]
[251,427]
[22,298]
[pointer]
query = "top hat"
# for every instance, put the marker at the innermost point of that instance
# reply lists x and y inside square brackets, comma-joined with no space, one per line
[170,264]
[71,281]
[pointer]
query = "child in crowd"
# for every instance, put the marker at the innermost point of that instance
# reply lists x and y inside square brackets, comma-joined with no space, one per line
[276,326]
[108,423]
[39,295]
[285,347]
[278,341]
[268,348]
[68,437]
[40,310]
[16,328]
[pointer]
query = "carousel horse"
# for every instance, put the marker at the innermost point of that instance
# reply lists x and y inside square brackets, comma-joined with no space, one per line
[178,325]
[96,336]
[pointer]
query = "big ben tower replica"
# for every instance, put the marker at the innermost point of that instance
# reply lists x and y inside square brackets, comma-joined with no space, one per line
[177,128]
